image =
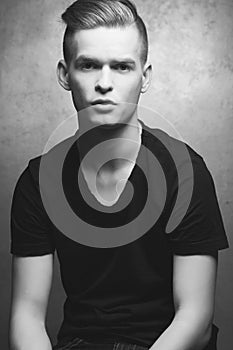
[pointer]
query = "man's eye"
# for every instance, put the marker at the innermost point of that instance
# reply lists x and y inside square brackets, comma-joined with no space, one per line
[122,67]
[87,66]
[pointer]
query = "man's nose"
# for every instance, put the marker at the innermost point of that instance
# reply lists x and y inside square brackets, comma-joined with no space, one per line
[104,81]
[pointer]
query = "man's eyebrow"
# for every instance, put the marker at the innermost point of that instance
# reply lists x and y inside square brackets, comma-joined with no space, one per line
[84,58]
[124,60]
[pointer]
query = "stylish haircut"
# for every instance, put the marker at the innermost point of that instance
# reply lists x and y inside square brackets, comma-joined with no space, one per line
[89,14]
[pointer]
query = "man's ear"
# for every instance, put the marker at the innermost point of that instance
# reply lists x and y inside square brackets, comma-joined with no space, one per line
[147,76]
[62,75]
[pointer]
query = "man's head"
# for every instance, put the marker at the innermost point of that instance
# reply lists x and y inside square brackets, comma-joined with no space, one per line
[90,14]
[105,60]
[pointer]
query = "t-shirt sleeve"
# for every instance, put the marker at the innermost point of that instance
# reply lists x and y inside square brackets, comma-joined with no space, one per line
[29,224]
[201,230]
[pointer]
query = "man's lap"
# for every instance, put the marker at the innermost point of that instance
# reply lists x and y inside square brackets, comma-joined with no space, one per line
[81,344]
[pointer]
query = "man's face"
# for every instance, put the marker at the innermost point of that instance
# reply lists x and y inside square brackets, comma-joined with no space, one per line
[105,72]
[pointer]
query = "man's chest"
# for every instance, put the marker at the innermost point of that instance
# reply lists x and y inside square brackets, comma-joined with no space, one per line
[107,187]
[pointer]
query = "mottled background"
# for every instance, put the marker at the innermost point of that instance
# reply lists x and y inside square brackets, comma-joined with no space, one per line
[192,54]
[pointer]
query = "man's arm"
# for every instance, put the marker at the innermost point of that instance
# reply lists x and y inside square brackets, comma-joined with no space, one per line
[194,281]
[31,284]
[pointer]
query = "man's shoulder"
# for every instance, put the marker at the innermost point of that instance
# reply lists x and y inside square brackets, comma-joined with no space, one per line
[168,146]
[45,162]
[55,153]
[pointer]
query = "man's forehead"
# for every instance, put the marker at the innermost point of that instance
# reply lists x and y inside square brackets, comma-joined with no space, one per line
[116,41]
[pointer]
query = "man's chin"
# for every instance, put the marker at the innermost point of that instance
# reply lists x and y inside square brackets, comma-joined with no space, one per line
[93,121]
[109,125]
[103,124]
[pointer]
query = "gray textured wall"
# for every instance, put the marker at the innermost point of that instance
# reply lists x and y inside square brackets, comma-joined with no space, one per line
[192,54]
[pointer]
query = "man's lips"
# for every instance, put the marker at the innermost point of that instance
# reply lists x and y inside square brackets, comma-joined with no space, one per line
[103,102]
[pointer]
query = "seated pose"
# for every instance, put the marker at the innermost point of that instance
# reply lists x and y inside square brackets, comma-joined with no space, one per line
[130,211]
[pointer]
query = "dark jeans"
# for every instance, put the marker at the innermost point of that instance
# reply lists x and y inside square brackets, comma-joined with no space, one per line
[81,344]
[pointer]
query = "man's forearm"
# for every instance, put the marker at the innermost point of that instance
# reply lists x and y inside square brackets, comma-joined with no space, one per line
[28,334]
[187,331]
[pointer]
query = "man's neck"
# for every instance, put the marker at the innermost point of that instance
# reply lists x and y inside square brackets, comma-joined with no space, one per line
[114,148]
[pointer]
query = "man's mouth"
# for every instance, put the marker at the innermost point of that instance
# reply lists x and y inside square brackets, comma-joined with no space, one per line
[103,102]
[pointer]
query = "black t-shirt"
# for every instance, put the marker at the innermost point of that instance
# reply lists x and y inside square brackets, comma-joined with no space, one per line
[119,292]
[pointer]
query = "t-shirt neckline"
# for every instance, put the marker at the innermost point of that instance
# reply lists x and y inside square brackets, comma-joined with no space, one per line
[119,198]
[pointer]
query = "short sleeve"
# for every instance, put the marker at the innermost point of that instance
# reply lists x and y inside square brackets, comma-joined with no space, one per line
[29,223]
[201,230]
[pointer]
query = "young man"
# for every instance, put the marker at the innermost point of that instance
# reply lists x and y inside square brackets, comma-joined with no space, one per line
[135,289]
